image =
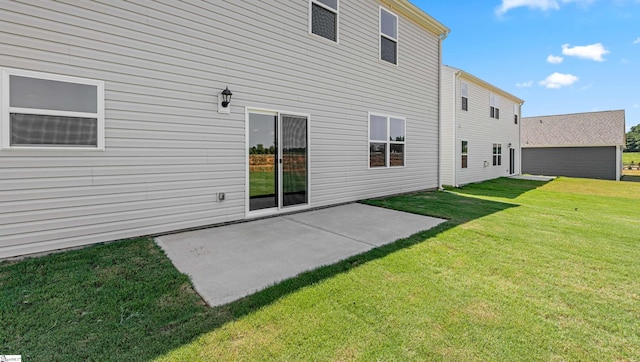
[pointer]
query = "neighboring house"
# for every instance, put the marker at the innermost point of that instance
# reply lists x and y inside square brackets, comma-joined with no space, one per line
[113,123]
[585,145]
[480,129]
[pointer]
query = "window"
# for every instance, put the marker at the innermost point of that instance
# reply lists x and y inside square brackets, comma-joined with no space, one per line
[465,154]
[464,89]
[494,111]
[515,113]
[53,111]
[388,36]
[386,141]
[324,18]
[497,154]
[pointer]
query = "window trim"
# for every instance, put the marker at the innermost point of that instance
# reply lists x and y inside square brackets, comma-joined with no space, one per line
[515,113]
[6,110]
[464,154]
[387,141]
[335,11]
[464,92]
[381,34]
[494,106]
[497,154]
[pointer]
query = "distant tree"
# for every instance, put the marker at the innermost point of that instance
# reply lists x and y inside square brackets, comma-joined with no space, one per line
[633,139]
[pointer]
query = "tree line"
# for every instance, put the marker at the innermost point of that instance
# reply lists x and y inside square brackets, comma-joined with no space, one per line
[633,139]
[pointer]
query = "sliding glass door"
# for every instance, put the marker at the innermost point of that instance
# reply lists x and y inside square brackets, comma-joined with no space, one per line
[278,160]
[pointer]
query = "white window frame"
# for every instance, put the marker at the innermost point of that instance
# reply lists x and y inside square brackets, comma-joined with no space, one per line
[6,109]
[387,141]
[494,104]
[279,208]
[381,34]
[516,115]
[497,154]
[462,153]
[336,11]
[464,92]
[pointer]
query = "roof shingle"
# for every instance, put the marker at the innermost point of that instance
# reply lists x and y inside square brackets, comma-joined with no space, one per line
[574,130]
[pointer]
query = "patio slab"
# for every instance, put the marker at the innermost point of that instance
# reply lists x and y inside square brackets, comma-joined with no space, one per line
[229,262]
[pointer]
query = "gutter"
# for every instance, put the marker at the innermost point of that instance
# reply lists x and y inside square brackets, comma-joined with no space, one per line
[441,37]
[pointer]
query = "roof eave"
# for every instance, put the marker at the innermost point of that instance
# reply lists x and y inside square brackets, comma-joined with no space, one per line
[417,15]
[473,78]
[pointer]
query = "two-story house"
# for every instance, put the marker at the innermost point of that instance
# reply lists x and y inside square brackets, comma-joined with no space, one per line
[128,118]
[479,128]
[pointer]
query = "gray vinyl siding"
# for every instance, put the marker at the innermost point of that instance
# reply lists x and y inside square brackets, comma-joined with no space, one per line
[477,128]
[168,151]
[449,158]
[585,162]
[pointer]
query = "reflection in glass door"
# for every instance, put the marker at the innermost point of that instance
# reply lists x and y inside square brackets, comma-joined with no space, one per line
[263,168]
[278,165]
[294,160]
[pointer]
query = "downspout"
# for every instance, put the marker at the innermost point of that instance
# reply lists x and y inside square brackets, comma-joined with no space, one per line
[520,139]
[441,37]
[455,142]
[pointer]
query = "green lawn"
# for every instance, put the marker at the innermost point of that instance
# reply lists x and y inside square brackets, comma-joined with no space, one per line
[522,271]
[627,157]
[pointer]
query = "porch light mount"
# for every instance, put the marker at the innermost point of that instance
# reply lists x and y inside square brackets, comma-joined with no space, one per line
[224,100]
[226,97]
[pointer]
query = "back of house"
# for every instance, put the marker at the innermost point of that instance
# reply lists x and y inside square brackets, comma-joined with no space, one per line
[587,145]
[480,129]
[121,119]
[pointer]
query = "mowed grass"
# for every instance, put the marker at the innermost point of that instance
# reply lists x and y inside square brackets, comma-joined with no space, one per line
[628,157]
[522,270]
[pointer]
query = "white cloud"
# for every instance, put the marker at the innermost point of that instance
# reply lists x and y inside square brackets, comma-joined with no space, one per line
[558,80]
[524,84]
[637,41]
[532,4]
[543,5]
[592,52]
[554,59]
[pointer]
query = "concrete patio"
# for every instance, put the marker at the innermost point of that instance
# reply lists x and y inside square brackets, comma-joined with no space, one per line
[229,262]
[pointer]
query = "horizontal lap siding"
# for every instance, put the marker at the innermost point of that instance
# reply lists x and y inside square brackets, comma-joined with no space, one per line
[586,162]
[482,131]
[448,144]
[168,150]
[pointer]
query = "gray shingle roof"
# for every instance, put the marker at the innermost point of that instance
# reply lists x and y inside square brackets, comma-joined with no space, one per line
[570,130]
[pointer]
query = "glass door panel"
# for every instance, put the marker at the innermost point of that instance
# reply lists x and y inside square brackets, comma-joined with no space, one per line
[293,144]
[263,165]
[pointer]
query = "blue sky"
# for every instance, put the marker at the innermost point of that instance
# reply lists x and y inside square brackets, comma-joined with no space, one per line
[560,56]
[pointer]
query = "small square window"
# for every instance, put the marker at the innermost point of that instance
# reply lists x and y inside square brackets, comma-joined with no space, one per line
[324,18]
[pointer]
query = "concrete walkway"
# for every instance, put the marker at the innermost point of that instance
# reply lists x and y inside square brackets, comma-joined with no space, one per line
[229,262]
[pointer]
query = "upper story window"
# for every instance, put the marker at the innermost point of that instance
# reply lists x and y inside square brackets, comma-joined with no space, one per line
[386,141]
[324,18]
[494,109]
[515,113]
[464,90]
[388,36]
[53,111]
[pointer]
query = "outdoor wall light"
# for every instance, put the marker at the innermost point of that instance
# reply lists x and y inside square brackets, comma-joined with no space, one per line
[224,99]
[509,144]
